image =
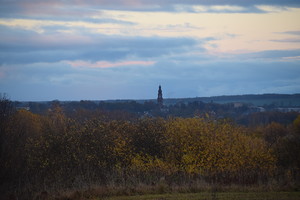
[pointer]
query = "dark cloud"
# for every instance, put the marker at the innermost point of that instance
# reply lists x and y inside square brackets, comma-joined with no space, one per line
[19,46]
[78,10]
[33,67]
[213,77]
[291,32]
[289,40]
[227,77]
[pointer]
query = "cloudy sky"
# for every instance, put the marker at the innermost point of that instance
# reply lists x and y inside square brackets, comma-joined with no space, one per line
[123,49]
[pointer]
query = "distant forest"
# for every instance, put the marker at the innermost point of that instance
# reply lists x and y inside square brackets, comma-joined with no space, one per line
[243,109]
[275,100]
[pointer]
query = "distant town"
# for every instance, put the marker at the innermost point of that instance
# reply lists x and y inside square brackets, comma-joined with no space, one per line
[237,107]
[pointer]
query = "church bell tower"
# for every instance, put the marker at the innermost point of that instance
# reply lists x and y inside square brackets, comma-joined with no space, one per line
[159,97]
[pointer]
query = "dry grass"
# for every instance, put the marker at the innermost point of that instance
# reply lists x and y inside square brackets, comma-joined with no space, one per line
[216,196]
[163,191]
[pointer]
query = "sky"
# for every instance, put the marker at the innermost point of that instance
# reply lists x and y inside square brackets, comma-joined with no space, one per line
[125,49]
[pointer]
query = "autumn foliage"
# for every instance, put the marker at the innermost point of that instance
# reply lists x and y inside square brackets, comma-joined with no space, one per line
[41,151]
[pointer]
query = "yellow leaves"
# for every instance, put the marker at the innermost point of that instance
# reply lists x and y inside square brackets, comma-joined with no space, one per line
[147,163]
[190,146]
[214,148]
[296,123]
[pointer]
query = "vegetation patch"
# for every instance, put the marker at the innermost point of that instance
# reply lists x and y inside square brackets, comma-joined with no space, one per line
[216,196]
[91,155]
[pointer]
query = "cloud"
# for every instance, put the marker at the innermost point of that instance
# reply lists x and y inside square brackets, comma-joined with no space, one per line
[60,80]
[271,8]
[110,49]
[275,55]
[218,8]
[105,64]
[84,9]
[289,40]
[43,25]
[2,75]
[22,46]
[292,32]
[229,77]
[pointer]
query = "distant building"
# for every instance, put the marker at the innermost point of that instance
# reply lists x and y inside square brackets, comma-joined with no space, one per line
[288,109]
[23,108]
[160,97]
[238,104]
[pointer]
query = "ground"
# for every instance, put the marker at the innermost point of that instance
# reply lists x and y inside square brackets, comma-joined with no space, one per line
[214,196]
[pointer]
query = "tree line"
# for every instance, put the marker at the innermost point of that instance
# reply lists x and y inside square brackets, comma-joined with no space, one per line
[40,151]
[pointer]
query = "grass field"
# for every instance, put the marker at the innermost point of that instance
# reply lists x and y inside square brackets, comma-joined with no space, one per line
[214,196]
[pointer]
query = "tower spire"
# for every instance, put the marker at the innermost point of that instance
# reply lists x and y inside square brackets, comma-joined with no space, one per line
[159,97]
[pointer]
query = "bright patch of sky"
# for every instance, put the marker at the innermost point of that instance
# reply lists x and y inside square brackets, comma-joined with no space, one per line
[121,49]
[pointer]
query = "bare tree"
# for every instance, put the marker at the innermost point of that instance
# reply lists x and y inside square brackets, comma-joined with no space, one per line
[6,109]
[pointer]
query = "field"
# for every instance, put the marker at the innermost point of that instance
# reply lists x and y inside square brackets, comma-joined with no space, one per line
[216,196]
